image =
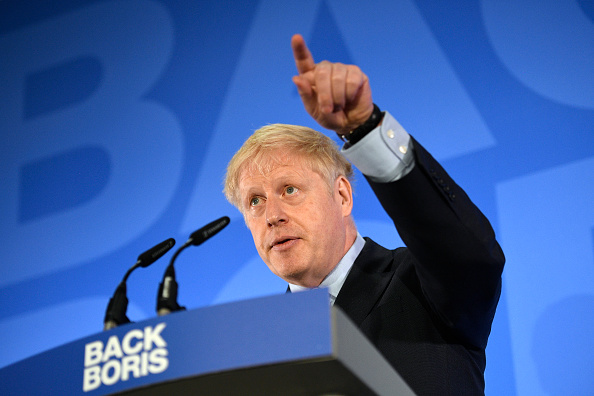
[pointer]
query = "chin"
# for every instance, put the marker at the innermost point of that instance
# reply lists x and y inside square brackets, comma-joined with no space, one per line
[291,274]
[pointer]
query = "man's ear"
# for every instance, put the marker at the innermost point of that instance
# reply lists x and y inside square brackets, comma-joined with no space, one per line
[344,192]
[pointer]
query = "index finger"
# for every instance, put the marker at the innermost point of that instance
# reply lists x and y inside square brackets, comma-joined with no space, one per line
[303,58]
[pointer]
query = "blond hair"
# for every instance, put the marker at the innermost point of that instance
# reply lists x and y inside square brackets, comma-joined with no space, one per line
[317,150]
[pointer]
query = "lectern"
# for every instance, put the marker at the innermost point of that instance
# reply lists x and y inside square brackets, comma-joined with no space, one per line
[291,344]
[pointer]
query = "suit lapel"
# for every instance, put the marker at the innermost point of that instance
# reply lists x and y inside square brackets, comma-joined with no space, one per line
[366,282]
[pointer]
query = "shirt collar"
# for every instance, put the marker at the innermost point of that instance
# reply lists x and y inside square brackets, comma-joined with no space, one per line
[335,279]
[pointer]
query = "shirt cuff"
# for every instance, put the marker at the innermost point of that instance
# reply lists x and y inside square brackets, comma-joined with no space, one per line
[384,154]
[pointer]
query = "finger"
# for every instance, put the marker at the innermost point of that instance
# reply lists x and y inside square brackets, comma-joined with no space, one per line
[355,80]
[338,80]
[323,86]
[307,93]
[303,58]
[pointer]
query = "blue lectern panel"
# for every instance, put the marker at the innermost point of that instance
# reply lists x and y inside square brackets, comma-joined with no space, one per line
[230,336]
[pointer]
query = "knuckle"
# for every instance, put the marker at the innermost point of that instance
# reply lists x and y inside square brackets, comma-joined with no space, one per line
[353,82]
[323,72]
[337,79]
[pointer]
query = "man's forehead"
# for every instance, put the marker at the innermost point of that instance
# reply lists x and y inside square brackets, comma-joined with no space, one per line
[277,163]
[266,162]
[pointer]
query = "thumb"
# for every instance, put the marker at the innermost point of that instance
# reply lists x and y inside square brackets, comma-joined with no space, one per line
[303,87]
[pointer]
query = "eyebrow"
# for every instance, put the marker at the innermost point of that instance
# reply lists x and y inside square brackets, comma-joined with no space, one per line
[285,177]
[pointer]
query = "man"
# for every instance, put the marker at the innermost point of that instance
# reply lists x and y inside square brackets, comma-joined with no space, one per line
[428,308]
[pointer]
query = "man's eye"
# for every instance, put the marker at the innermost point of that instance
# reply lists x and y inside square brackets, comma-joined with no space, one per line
[291,190]
[254,201]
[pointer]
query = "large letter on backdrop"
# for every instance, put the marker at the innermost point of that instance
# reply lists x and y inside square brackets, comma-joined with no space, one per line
[546,228]
[547,45]
[97,132]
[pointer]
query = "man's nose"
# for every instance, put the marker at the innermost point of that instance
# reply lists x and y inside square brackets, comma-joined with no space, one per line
[275,213]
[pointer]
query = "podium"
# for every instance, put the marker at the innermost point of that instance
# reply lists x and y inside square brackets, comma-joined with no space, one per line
[291,344]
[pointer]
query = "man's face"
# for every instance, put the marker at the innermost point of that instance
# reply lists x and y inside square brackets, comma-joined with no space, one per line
[300,229]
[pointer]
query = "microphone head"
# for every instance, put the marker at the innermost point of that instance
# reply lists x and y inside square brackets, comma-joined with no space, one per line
[209,230]
[155,253]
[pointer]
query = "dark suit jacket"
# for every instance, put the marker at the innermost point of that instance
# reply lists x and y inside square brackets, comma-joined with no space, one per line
[428,308]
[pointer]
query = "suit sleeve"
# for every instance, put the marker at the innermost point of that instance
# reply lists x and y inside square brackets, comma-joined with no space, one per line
[457,258]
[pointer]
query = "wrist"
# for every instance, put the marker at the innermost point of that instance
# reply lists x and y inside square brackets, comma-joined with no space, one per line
[362,130]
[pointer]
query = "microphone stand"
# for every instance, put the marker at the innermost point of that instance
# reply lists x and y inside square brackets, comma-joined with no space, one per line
[167,295]
[115,314]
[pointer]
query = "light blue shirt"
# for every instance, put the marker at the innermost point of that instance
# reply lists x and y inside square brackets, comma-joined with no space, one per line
[384,155]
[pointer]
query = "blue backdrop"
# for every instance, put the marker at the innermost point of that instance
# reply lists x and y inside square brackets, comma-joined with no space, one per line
[118,117]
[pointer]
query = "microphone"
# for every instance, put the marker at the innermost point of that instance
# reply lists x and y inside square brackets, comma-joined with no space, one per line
[209,230]
[115,314]
[155,253]
[167,295]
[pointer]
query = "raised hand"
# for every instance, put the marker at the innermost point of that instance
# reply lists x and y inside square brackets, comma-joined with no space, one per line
[336,95]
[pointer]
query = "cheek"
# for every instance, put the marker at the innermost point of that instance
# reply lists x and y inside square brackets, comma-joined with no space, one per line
[253,227]
[333,222]
[319,218]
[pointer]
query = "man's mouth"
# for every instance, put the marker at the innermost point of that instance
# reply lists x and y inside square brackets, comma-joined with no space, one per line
[283,243]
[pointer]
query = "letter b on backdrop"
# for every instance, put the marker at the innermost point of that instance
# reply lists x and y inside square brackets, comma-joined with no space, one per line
[73,113]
